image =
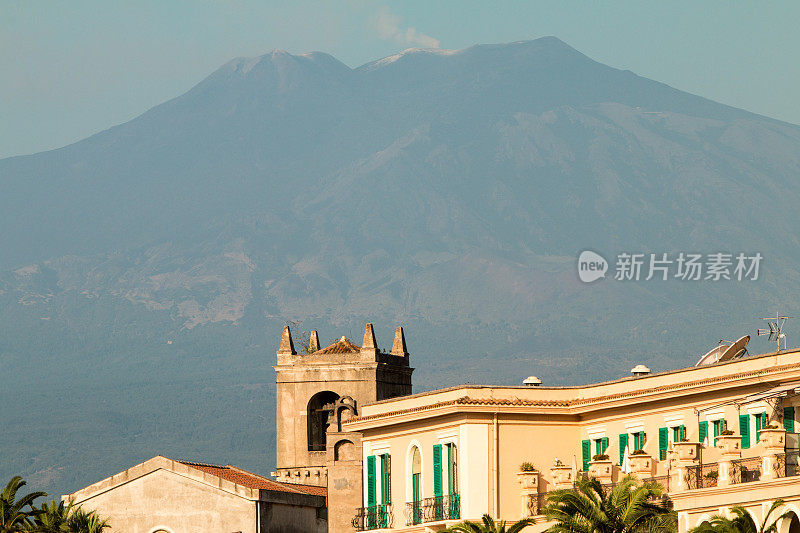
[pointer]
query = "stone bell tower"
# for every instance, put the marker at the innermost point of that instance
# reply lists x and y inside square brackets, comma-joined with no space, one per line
[315,391]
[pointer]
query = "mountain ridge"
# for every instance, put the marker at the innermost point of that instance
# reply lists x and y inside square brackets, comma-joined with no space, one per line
[155,263]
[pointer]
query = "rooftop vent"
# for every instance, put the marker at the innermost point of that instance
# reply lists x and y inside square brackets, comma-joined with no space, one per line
[532,381]
[639,371]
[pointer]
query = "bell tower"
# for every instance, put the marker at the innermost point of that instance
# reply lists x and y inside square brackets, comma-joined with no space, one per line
[316,390]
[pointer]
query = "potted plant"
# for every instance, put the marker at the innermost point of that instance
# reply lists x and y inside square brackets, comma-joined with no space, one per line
[600,467]
[528,476]
[729,442]
[561,474]
[686,450]
[711,479]
[640,461]
[773,436]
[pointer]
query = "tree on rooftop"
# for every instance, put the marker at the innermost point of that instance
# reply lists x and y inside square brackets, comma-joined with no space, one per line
[630,507]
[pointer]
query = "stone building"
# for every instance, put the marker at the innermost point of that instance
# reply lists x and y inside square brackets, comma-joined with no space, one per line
[165,496]
[713,436]
[316,392]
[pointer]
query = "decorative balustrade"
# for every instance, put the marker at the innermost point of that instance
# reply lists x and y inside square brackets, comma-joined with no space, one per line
[373,517]
[788,464]
[701,476]
[746,470]
[537,501]
[433,509]
[661,480]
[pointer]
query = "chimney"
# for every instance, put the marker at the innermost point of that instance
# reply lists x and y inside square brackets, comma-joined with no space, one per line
[399,345]
[639,371]
[313,342]
[532,381]
[286,347]
[369,345]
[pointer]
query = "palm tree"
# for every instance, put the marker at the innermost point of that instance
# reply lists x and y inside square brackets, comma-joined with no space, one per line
[627,508]
[490,526]
[52,517]
[742,522]
[13,517]
[80,521]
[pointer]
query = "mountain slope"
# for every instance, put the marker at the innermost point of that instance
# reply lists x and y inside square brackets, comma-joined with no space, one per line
[147,270]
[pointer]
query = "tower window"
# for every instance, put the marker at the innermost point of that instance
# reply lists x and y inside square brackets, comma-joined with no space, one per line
[320,413]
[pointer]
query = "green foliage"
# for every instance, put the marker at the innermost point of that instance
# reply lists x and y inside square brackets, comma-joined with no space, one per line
[490,526]
[742,522]
[13,515]
[527,466]
[628,508]
[21,515]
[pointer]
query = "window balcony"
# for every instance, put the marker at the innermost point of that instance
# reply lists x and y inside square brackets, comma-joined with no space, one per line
[374,517]
[433,509]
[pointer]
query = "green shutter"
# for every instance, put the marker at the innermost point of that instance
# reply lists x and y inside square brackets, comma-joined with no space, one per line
[450,488]
[437,469]
[623,443]
[604,444]
[663,443]
[702,431]
[761,421]
[416,509]
[371,493]
[744,430]
[683,432]
[639,440]
[386,479]
[788,419]
[586,452]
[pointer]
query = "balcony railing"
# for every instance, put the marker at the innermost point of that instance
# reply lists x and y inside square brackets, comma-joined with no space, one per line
[374,517]
[746,470]
[700,476]
[788,464]
[537,502]
[660,480]
[433,509]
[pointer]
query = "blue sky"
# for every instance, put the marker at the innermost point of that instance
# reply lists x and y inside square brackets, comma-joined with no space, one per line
[74,68]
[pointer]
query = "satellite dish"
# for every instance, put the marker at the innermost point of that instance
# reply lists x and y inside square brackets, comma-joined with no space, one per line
[735,350]
[713,355]
[726,351]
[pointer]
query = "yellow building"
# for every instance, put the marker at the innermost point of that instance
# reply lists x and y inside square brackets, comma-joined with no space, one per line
[714,436]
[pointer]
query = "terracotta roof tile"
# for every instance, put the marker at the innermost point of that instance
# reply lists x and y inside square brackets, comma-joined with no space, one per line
[343,345]
[254,481]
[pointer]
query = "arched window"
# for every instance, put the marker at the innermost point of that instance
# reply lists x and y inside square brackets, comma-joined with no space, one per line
[794,523]
[320,408]
[416,495]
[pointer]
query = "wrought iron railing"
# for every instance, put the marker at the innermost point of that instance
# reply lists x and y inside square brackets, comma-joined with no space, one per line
[700,476]
[536,503]
[433,509]
[788,464]
[661,480]
[374,517]
[746,470]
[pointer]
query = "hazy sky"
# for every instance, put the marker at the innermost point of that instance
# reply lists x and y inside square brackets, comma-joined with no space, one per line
[73,68]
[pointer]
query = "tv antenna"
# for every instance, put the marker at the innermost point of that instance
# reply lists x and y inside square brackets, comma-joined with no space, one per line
[775,330]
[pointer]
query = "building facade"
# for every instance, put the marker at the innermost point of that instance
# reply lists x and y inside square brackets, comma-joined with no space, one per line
[714,436]
[165,496]
[319,390]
